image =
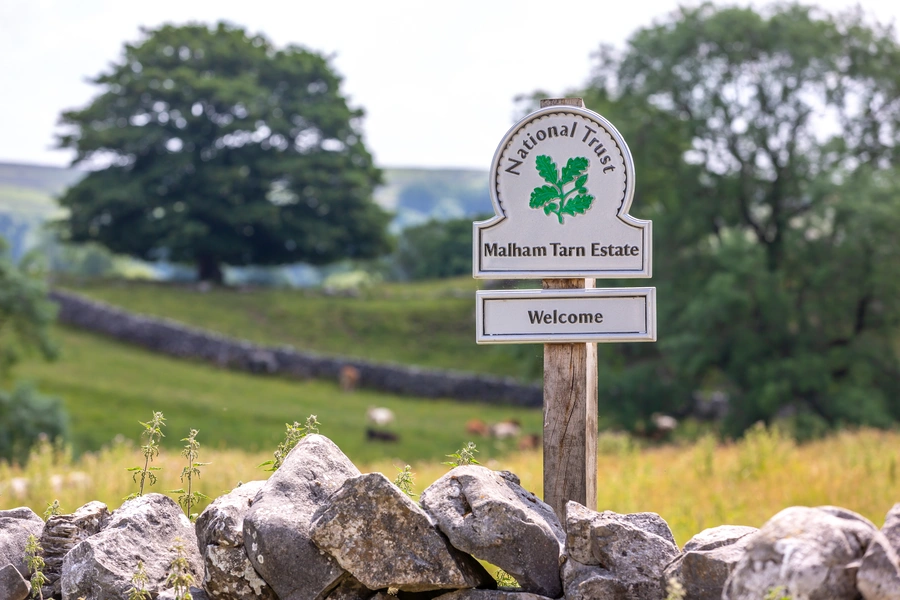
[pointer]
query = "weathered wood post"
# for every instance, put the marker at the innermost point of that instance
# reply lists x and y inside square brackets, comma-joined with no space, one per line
[570,417]
[562,181]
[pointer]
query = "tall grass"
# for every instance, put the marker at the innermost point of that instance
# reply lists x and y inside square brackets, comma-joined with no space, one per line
[692,486]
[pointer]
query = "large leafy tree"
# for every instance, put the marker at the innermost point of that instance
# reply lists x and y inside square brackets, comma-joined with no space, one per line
[212,146]
[766,151]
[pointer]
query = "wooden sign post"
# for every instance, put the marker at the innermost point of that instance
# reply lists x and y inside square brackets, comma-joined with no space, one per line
[570,417]
[562,181]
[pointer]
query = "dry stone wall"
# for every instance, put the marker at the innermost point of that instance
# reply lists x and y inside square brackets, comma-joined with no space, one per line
[319,529]
[176,339]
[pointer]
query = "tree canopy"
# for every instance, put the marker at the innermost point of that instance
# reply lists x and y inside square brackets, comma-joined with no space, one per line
[212,146]
[765,144]
[435,249]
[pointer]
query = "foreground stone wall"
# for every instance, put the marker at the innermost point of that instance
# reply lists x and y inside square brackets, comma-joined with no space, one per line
[318,529]
[176,339]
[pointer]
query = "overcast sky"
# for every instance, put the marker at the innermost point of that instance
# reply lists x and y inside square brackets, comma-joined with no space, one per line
[436,79]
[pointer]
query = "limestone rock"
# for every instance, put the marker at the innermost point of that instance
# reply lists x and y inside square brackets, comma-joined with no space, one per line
[879,574]
[809,552]
[276,527]
[222,523]
[12,585]
[584,582]
[16,524]
[891,527]
[385,540]
[717,537]
[146,528]
[490,516]
[616,556]
[62,533]
[708,559]
[491,595]
[228,574]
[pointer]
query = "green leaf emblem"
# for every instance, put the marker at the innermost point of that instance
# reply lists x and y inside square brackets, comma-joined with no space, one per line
[542,195]
[553,198]
[547,169]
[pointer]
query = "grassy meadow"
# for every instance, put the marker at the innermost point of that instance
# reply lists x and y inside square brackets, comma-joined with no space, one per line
[429,324]
[108,387]
[693,486]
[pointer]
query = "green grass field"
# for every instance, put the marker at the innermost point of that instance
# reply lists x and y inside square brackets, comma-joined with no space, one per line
[428,324]
[107,387]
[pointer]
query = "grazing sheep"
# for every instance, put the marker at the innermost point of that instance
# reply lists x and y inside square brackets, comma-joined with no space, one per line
[506,429]
[380,416]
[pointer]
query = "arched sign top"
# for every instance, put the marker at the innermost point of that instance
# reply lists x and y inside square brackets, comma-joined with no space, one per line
[562,182]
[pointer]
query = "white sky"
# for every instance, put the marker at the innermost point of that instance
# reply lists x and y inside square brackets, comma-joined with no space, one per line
[436,79]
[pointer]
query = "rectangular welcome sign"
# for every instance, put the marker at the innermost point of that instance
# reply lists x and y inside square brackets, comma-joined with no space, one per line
[566,316]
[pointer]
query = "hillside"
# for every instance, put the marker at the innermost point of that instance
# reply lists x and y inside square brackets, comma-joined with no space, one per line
[26,201]
[430,324]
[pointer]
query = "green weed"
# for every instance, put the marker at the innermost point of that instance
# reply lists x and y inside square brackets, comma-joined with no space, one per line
[139,583]
[189,497]
[34,562]
[292,436]
[150,450]
[52,510]
[404,481]
[180,578]
[463,456]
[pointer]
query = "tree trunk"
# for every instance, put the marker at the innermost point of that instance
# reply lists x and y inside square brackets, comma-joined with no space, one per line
[209,268]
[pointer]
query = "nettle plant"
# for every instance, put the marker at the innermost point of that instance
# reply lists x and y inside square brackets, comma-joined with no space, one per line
[292,436]
[150,450]
[180,578]
[189,497]
[139,582]
[34,562]
[553,198]
[52,510]
[404,481]
[463,456]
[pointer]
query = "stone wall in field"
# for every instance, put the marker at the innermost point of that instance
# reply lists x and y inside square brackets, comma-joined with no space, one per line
[319,529]
[176,339]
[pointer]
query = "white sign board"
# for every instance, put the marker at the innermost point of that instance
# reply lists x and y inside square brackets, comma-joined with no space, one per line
[566,316]
[562,182]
